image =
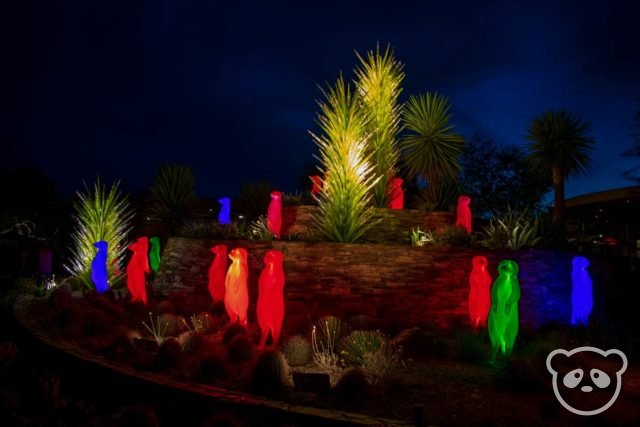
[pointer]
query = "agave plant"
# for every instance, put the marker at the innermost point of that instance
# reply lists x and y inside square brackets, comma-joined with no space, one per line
[431,148]
[378,79]
[514,230]
[100,215]
[345,213]
[173,197]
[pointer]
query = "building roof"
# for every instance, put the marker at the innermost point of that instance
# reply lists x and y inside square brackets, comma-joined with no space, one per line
[615,195]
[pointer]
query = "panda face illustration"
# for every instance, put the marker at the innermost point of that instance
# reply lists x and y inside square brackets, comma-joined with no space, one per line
[587,380]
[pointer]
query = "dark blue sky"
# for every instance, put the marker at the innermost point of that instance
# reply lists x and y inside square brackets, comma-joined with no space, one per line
[229,88]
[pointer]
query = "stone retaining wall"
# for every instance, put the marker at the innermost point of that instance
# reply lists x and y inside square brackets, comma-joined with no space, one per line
[404,285]
[394,226]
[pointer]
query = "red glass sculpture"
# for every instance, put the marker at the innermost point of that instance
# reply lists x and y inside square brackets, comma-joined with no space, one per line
[271,297]
[217,273]
[463,218]
[236,297]
[274,214]
[479,292]
[316,180]
[396,194]
[136,269]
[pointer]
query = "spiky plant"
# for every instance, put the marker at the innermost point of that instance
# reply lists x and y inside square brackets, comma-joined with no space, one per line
[559,144]
[99,215]
[173,197]
[345,213]
[431,148]
[378,79]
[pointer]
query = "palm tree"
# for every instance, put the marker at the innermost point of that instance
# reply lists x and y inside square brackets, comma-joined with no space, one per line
[173,197]
[559,146]
[378,79]
[431,149]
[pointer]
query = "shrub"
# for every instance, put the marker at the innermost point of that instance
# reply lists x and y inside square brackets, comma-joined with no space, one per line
[203,229]
[240,349]
[99,216]
[169,354]
[330,330]
[198,322]
[164,307]
[324,337]
[211,369]
[513,230]
[352,388]
[61,298]
[357,344]
[418,237]
[174,325]
[137,416]
[456,236]
[232,330]
[381,362]
[157,328]
[95,321]
[8,353]
[297,351]
[259,230]
[472,346]
[271,372]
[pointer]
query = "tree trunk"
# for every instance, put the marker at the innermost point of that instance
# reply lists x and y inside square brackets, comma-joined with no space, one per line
[558,190]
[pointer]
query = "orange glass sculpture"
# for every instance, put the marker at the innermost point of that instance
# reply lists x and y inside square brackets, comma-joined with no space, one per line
[396,194]
[236,297]
[274,214]
[479,292]
[271,297]
[463,217]
[136,269]
[217,273]
[316,181]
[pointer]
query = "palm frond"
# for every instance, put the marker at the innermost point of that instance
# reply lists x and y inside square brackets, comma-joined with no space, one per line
[378,79]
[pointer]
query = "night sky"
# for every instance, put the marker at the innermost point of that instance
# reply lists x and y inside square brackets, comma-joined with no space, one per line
[229,88]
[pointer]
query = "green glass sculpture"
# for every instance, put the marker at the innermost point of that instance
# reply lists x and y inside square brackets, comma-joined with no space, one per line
[154,253]
[503,316]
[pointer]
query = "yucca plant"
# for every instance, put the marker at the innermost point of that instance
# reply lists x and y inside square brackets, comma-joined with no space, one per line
[345,213]
[378,79]
[173,197]
[431,148]
[99,215]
